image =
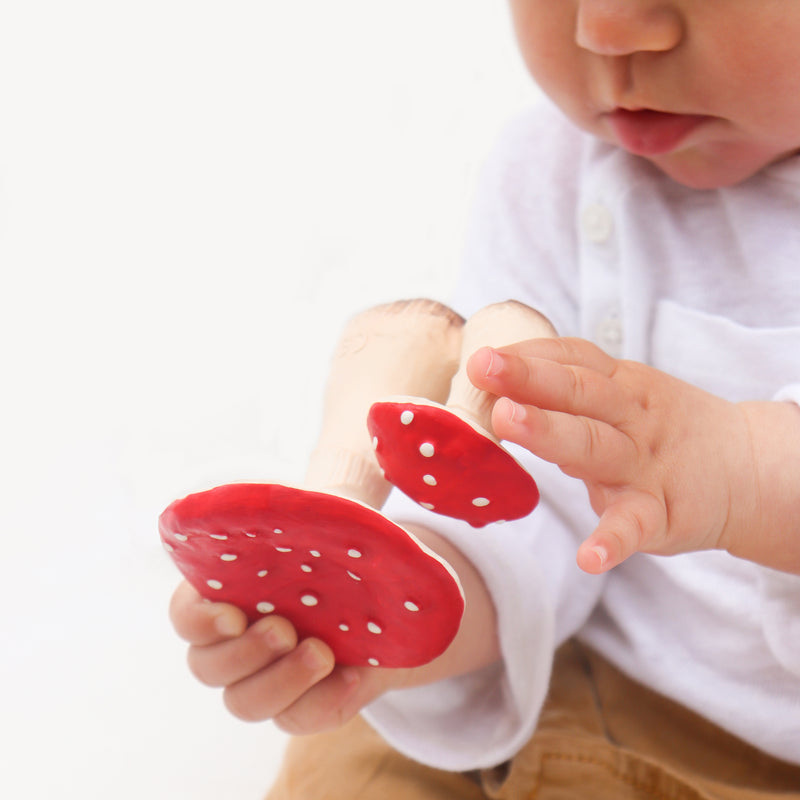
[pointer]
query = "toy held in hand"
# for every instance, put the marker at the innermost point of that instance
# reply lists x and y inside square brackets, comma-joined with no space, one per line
[449,465]
[335,568]
[324,557]
[445,456]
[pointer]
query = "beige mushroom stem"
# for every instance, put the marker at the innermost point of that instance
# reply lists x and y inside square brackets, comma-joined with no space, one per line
[409,347]
[496,325]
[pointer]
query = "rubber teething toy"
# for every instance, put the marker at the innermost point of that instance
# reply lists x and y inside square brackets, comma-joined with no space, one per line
[446,457]
[338,570]
[323,556]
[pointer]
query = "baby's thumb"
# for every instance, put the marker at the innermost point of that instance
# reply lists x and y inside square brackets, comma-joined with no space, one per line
[633,522]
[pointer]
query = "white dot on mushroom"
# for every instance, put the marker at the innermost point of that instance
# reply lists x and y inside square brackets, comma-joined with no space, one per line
[427,449]
[480,502]
[429,479]
[305,568]
[265,607]
[407,417]
[373,662]
[277,530]
[353,553]
[344,627]
[181,537]
[373,627]
[429,506]
[353,576]
[309,600]
[228,557]
[410,606]
[214,584]
[262,573]
[315,553]
[220,536]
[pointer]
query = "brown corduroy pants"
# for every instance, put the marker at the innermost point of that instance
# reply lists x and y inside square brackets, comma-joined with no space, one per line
[600,736]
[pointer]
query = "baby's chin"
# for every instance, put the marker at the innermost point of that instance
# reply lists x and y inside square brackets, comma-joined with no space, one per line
[708,169]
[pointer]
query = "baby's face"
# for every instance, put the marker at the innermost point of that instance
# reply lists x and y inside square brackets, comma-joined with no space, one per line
[722,73]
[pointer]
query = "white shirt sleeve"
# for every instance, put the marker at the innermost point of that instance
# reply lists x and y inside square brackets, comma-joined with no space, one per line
[541,598]
[780,617]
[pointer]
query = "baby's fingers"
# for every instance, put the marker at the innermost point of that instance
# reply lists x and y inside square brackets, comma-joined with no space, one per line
[200,622]
[272,690]
[232,660]
[582,447]
[546,383]
[634,522]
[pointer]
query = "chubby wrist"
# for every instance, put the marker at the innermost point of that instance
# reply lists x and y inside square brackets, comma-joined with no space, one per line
[766,526]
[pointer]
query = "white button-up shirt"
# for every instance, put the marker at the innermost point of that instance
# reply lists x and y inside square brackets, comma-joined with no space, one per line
[704,285]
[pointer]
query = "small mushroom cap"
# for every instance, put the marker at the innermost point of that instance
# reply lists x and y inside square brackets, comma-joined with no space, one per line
[335,568]
[447,464]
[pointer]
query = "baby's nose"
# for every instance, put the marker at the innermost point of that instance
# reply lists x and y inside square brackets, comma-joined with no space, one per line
[624,27]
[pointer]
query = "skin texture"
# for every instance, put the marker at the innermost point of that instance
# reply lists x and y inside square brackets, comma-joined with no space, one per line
[669,468]
[733,61]
[640,440]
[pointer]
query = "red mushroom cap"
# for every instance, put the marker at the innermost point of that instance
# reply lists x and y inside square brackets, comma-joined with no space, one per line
[336,569]
[449,465]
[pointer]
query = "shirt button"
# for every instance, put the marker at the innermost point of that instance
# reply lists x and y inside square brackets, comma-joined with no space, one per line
[597,223]
[610,334]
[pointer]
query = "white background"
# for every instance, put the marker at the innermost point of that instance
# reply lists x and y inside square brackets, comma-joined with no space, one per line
[194,197]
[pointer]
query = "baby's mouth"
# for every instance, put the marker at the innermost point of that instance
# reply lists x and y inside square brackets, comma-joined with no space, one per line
[646,132]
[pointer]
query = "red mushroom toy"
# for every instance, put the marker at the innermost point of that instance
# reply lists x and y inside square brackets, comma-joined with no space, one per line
[446,457]
[324,557]
[337,569]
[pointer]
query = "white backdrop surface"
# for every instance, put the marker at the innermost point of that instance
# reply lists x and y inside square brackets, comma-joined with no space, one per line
[194,197]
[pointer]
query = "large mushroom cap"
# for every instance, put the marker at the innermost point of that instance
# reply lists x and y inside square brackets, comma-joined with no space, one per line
[335,568]
[448,465]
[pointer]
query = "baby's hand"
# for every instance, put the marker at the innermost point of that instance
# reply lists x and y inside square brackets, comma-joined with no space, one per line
[669,468]
[265,672]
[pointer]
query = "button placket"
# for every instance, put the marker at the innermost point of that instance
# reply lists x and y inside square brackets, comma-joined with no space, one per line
[597,223]
[602,315]
[609,333]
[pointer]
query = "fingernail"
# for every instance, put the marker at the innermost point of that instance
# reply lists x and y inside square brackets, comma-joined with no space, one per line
[226,625]
[495,365]
[350,676]
[602,555]
[314,660]
[277,639]
[514,412]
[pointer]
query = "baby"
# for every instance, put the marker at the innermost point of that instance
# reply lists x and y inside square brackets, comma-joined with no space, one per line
[639,634]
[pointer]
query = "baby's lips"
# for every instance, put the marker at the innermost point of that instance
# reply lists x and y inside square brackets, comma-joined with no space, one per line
[336,569]
[447,464]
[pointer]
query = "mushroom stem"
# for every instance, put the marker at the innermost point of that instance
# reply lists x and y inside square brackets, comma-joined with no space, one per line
[407,347]
[493,326]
